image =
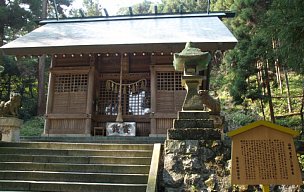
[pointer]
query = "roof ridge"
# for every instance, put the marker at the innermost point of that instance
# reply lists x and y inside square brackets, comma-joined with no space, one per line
[138,17]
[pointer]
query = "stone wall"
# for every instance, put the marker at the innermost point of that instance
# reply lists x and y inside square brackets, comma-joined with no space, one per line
[195,157]
[196,165]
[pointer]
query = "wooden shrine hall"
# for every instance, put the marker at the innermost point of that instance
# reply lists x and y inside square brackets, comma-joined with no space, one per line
[94,58]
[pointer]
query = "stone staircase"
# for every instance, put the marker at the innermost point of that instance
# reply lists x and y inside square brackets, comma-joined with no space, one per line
[83,167]
[97,139]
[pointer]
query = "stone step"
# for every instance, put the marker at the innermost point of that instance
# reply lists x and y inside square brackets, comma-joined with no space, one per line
[97,139]
[194,134]
[69,186]
[191,123]
[192,115]
[73,177]
[75,152]
[86,168]
[63,145]
[75,159]
[60,166]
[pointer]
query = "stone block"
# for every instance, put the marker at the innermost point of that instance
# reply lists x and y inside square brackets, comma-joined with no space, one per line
[173,179]
[181,147]
[10,128]
[193,115]
[194,134]
[192,123]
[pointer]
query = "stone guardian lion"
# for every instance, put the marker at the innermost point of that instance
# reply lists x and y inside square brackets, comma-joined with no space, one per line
[11,107]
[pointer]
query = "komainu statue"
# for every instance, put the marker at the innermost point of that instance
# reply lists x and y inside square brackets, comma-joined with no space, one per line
[210,102]
[10,108]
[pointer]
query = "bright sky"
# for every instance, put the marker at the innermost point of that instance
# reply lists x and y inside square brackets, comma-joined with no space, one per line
[113,6]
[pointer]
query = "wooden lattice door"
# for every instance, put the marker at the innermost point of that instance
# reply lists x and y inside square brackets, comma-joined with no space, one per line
[169,95]
[70,93]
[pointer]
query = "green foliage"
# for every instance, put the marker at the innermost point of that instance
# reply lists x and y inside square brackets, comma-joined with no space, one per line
[293,122]
[175,6]
[20,76]
[61,6]
[28,108]
[238,89]
[166,6]
[301,160]
[146,7]
[239,118]
[89,8]
[268,33]
[32,127]
[284,22]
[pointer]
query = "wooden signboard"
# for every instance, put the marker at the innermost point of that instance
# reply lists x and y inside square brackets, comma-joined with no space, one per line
[121,129]
[264,153]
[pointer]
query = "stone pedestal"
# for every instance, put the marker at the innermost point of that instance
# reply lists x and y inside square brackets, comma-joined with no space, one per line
[10,128]
[195,157]
[192,100]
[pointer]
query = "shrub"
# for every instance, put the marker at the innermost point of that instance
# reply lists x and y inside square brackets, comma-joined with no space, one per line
[239,118]
[33,127]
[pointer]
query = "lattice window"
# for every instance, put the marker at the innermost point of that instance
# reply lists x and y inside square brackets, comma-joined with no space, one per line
[169,81]
[71,83]
[133,103]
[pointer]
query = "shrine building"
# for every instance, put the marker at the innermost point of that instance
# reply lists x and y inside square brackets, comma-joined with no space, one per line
[93,59]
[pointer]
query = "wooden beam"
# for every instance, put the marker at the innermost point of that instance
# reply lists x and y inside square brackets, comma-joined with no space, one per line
[153,99]
[68,116]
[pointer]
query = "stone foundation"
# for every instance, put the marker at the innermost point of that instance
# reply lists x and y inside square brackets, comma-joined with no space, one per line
[196,159]
[196,165]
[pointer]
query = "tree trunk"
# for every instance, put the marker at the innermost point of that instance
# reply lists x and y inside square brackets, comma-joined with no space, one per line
[278,75]
[41,86]
[272,117]
[2,4]
[263,108]
[288,91]
[259,83]
[275,45]
[41,71]
[301,111]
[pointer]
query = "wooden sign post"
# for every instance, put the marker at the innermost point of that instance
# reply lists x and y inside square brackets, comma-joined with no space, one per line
[264,153]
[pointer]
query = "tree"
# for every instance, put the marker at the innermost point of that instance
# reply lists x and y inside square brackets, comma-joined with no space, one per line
[146,7]
[41,70]
[284,22]
[17,18]
[89,8]
[176,6]
[166,6]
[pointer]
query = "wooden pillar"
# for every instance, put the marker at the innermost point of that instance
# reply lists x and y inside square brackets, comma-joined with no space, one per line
[49,103]
[153,100]
[89,107]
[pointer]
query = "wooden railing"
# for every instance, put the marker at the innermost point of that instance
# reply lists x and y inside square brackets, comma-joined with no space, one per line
[152,179]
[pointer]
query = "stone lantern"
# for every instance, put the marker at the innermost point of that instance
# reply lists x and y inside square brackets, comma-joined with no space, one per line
[192,60]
